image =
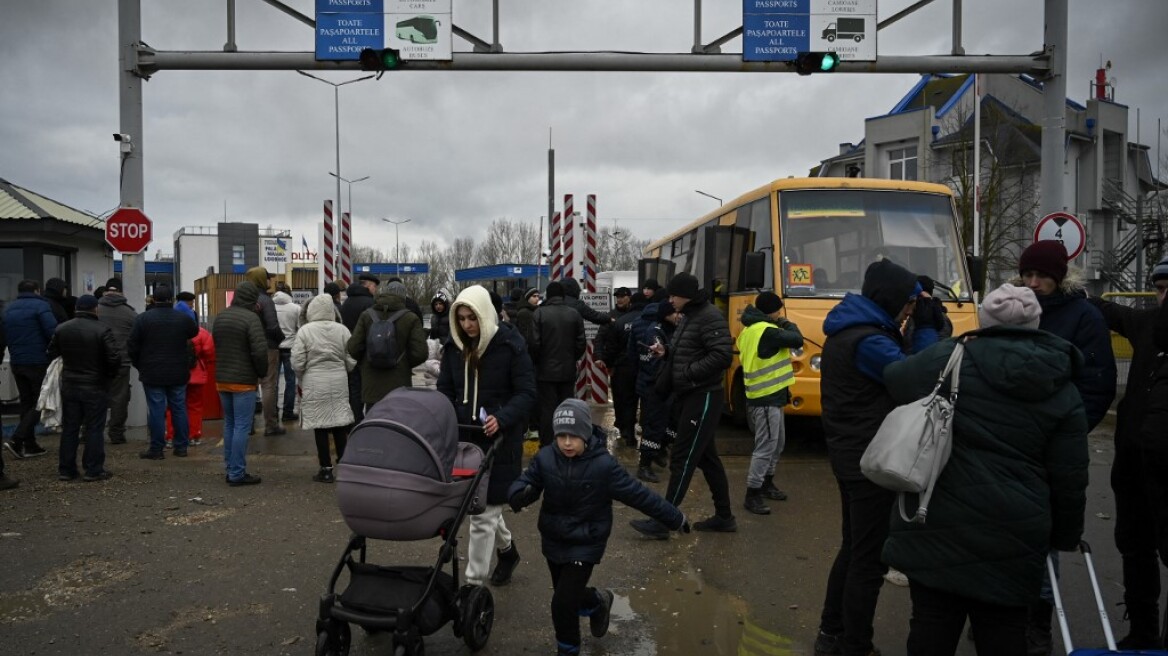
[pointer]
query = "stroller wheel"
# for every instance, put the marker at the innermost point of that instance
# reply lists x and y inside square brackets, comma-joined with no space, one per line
[478,616]
[335,641]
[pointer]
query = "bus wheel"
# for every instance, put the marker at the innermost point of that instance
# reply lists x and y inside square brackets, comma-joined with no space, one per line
[738,401]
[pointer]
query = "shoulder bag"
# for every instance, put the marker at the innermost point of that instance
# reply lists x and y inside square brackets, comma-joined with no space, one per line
[913,443]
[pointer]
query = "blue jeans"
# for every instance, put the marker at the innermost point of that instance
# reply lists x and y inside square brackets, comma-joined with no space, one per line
[289,382]
[238,412]
[82,406]
[158,399]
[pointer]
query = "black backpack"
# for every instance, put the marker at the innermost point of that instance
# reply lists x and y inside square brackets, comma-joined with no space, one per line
[381,341]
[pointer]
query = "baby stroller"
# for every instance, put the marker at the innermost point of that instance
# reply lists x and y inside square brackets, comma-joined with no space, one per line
[405,476]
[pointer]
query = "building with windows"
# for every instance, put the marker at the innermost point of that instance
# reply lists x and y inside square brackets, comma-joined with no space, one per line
[41,238]
[928,136]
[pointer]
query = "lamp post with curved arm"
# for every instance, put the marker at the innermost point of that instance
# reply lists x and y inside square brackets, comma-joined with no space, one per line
[699,191]
[397,237]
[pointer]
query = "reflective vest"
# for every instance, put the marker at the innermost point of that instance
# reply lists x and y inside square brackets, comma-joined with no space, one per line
[763,376]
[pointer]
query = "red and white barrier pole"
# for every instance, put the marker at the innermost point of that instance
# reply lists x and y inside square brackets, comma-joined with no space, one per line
[345,264]
[326,271]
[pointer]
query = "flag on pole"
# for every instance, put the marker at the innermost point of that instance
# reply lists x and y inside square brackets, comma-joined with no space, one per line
[304,241]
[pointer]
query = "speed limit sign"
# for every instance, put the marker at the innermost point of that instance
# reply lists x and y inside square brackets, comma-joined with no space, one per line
[1065,228]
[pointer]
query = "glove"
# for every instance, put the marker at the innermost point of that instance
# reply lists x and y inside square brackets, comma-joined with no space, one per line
[923,314]
[523,498]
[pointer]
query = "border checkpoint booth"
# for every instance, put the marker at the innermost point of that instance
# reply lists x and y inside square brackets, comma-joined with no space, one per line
[502,278]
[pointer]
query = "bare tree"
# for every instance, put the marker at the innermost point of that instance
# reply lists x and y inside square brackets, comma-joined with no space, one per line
[459,255]
[509,242]
[618,250]
[363,253]
[1010,167]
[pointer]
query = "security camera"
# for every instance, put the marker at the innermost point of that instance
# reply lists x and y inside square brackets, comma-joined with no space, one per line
[125,141]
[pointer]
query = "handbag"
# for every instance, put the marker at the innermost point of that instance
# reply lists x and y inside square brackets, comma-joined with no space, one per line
[913,443]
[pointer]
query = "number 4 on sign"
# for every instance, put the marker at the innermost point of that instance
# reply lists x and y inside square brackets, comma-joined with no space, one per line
[1065,229]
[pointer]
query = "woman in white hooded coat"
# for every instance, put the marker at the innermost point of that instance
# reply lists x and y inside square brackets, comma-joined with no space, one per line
[322,365]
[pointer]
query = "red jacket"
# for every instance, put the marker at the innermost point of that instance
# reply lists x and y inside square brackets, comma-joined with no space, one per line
[204,357]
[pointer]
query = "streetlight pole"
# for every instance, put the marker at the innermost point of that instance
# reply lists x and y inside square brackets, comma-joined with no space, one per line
[350,183]
[699,191]
[397,238]
[337,114]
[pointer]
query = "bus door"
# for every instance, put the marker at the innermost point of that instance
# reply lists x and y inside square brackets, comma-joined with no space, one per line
[655,268]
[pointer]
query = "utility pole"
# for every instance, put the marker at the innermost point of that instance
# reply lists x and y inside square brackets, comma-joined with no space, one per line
[1054,105]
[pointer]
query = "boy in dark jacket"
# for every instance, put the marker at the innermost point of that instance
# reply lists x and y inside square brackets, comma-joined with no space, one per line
[579,479]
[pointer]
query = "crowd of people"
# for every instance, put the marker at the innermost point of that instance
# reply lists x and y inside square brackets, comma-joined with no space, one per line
[1037,376]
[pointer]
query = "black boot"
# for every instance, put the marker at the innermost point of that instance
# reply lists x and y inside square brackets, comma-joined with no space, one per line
[754,502]
[770,491]
[1145,630]
[508,561]
[645,473]
[1038,641]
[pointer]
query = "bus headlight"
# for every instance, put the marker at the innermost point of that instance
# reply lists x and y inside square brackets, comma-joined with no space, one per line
[815,362]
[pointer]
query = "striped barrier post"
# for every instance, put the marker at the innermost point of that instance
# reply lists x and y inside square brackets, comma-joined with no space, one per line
[599,378]
[567,232]
[555,260]
[345,261]
[327,273]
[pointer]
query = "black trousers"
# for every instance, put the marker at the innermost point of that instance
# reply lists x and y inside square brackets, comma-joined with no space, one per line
[1139,478]
[654,427]
[939,617]
[119,405]
[853,586]
[551,395]
[83,411]
[340,438]
[623,379]
[571,599]
[696,416]
[29,378]
[355,403]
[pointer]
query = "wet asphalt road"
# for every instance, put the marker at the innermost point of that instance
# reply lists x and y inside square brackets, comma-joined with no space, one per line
[165,558]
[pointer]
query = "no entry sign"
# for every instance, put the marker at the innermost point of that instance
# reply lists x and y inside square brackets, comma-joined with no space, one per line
[128,230]
[1065,228]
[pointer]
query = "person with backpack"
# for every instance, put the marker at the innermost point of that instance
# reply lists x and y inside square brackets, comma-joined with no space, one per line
[387,342]
[1014,487]
[358,298]
[486,372]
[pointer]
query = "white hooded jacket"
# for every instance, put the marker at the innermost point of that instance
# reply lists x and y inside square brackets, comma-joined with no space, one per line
[288,314]
[322,365]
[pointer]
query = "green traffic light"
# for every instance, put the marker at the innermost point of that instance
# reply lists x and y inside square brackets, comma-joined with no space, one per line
[829,62]
[390,59]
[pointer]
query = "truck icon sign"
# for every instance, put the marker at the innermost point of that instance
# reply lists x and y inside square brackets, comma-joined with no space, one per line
[848,28]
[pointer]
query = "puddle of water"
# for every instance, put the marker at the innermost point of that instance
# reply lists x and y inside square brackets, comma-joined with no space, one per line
[688,616]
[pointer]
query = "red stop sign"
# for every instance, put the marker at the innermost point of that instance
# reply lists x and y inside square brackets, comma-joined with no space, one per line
[128,230]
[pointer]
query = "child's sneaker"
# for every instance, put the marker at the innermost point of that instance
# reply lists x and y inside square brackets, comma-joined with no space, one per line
[170,442]
[598,620]
[196,441]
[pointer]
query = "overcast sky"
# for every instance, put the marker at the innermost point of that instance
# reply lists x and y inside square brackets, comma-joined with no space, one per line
[454,151]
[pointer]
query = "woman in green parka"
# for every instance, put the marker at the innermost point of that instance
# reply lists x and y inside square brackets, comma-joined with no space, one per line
[1014,487]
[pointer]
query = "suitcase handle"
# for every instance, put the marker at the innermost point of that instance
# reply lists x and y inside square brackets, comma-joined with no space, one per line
[1085,549]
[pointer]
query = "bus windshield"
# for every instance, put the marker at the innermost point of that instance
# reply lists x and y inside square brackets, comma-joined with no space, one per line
[829,237]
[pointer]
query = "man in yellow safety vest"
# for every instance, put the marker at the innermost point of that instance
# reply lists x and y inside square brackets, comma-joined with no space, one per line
[764,347]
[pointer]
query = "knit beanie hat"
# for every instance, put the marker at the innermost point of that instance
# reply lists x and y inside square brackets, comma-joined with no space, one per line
[574,418]
[527,295]
[397,289]
[664,310]
[651,283]
[684,285]
[1160,271]
[1047,256]
[332,288]
[1010,305]
[889,285]
[113,285]
[554,289]
[87,303]
[768,302]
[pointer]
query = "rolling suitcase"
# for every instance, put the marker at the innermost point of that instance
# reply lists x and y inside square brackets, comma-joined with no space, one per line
[1085,549]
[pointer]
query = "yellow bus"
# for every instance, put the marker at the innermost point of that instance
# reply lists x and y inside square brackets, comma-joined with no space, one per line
[810,240]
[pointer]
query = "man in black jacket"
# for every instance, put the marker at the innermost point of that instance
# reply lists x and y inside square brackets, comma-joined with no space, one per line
[159,349]
[1141,458]
[116,312]
[613,340]
[358,299]
[557,342]
[698,357]
[90,358]
[587,312]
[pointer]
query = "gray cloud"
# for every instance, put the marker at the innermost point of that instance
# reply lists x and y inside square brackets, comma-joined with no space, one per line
[453,151]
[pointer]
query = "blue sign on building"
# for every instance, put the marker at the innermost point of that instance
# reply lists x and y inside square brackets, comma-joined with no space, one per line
[346,27]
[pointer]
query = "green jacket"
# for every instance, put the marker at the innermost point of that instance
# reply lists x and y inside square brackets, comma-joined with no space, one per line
[241,351]
[1016,481]
[411,341]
